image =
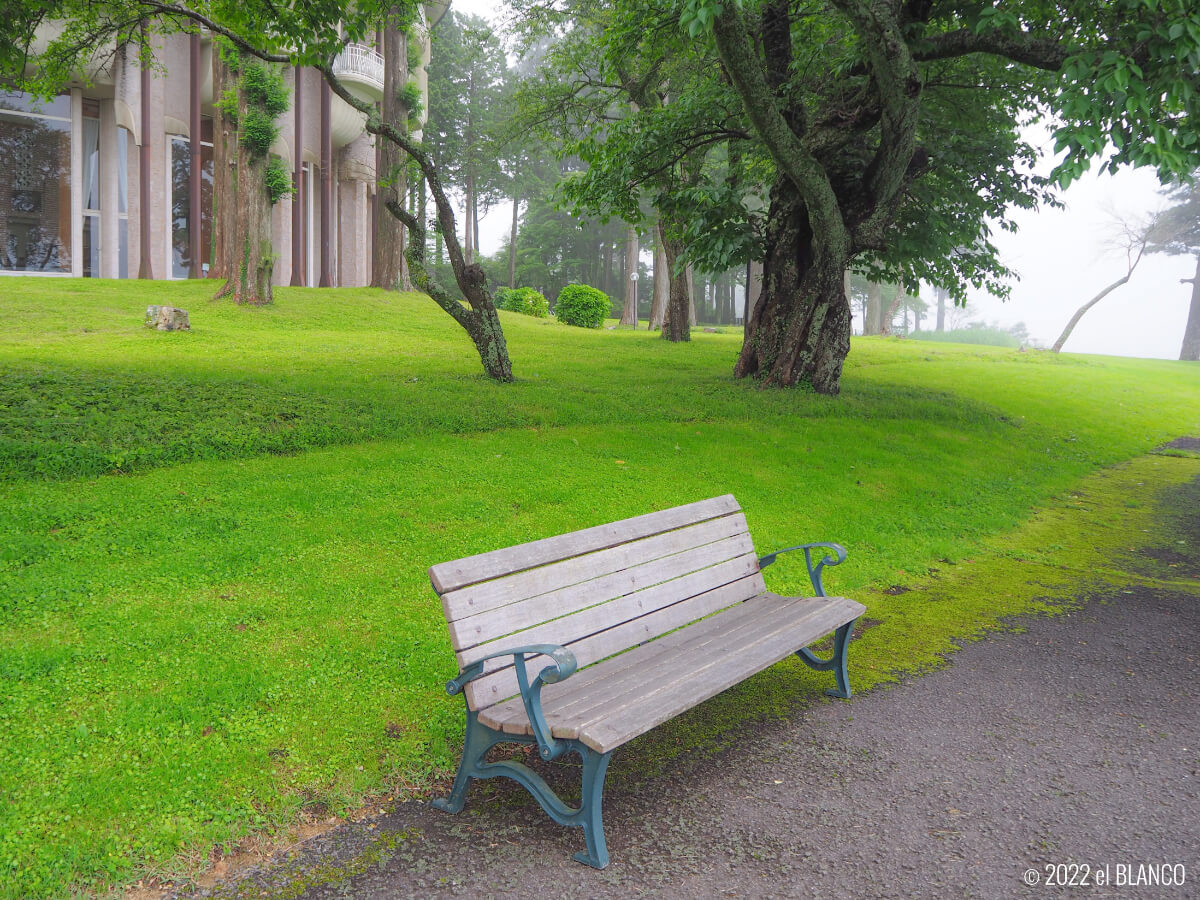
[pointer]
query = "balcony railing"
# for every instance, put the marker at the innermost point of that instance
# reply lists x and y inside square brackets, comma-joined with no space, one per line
[357,61]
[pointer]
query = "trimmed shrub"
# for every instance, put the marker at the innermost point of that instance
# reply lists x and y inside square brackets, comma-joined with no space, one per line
[524,300]
[583,306]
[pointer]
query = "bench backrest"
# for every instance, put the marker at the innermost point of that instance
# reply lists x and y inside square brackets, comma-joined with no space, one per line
[599,591]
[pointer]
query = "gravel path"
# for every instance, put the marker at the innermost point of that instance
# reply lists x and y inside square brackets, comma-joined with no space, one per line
[1076,740]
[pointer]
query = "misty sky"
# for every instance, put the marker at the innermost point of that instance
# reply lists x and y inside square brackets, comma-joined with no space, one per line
[1063,258]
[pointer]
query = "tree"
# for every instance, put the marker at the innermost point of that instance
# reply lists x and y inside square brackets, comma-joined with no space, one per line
[616,87]
[1131,238]
[308,34]
[891,92]
[1176,231]
[251,106]
[389,270]
[466,88]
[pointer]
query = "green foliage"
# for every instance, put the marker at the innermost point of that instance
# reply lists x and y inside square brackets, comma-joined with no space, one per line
[278,179]
[415,47]
[264,87]
[410,98]
[524,300]
[257,132]
[466,78]
[227,105]
[169,640]
[582,306]
[1176,229]
[1119,74]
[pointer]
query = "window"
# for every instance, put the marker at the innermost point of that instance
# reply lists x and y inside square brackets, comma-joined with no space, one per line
[35,184]
[123,201]
[91,189]
[309,264]
[179,164]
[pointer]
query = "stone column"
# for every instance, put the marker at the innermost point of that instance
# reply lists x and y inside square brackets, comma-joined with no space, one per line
[326,186]
[110,219]
[145,269]
[76,182]
[297,203]
[195,213]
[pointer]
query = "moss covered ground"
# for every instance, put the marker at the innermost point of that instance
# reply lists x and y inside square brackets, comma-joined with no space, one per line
[216,617]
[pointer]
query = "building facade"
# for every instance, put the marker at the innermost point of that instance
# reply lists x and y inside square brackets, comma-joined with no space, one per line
[113,178]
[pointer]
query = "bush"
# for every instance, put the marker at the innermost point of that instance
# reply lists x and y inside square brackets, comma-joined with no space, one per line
[524,300]
[581,305]
[974,333]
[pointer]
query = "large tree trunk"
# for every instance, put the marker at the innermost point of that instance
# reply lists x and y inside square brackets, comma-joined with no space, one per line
[662,284]
[469,220]
[800,331]
[390,270]
[889,314]
[224,176]
[754,283]
[676,324]
[252,257]
[942,294]
[512,244]
[1191,333]
[690,281]
[475,227]
[629,314]
[873,314]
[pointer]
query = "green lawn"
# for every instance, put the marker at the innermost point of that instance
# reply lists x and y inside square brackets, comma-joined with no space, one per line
[216,613]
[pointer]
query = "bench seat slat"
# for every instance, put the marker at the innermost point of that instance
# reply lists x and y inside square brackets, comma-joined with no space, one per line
[679,651]
[657,681]
[449,576]
[579,700]
[730,583]
[489,595]
[694,563]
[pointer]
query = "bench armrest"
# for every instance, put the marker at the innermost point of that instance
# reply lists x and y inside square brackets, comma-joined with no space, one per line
[814,571]
[563,666]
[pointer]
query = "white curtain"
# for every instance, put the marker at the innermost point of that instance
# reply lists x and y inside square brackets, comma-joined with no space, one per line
[122,171]
[91,163]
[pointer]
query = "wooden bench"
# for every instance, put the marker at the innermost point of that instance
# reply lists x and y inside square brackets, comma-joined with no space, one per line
[635,622]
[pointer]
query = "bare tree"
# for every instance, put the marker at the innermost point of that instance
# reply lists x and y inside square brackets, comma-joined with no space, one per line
[1131,237]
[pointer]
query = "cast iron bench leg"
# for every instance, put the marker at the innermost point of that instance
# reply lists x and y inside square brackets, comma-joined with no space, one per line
[836,663]
[595,766]
[480,739]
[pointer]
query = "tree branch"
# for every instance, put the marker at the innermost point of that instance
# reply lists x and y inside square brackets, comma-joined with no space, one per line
[1023,48]
[793,158]
[201,19]
[898,84]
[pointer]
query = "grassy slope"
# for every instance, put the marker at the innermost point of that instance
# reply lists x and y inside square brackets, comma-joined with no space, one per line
[221,639]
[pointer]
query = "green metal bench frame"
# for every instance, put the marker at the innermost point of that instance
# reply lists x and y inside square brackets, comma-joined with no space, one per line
[480,738]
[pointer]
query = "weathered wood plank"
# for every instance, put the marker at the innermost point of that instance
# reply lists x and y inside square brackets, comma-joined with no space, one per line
[692,648]
[489,595]
[472,630]
[575,699]
[645,712]
[608,614]
[657,681]
[502,683]
[449,576]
